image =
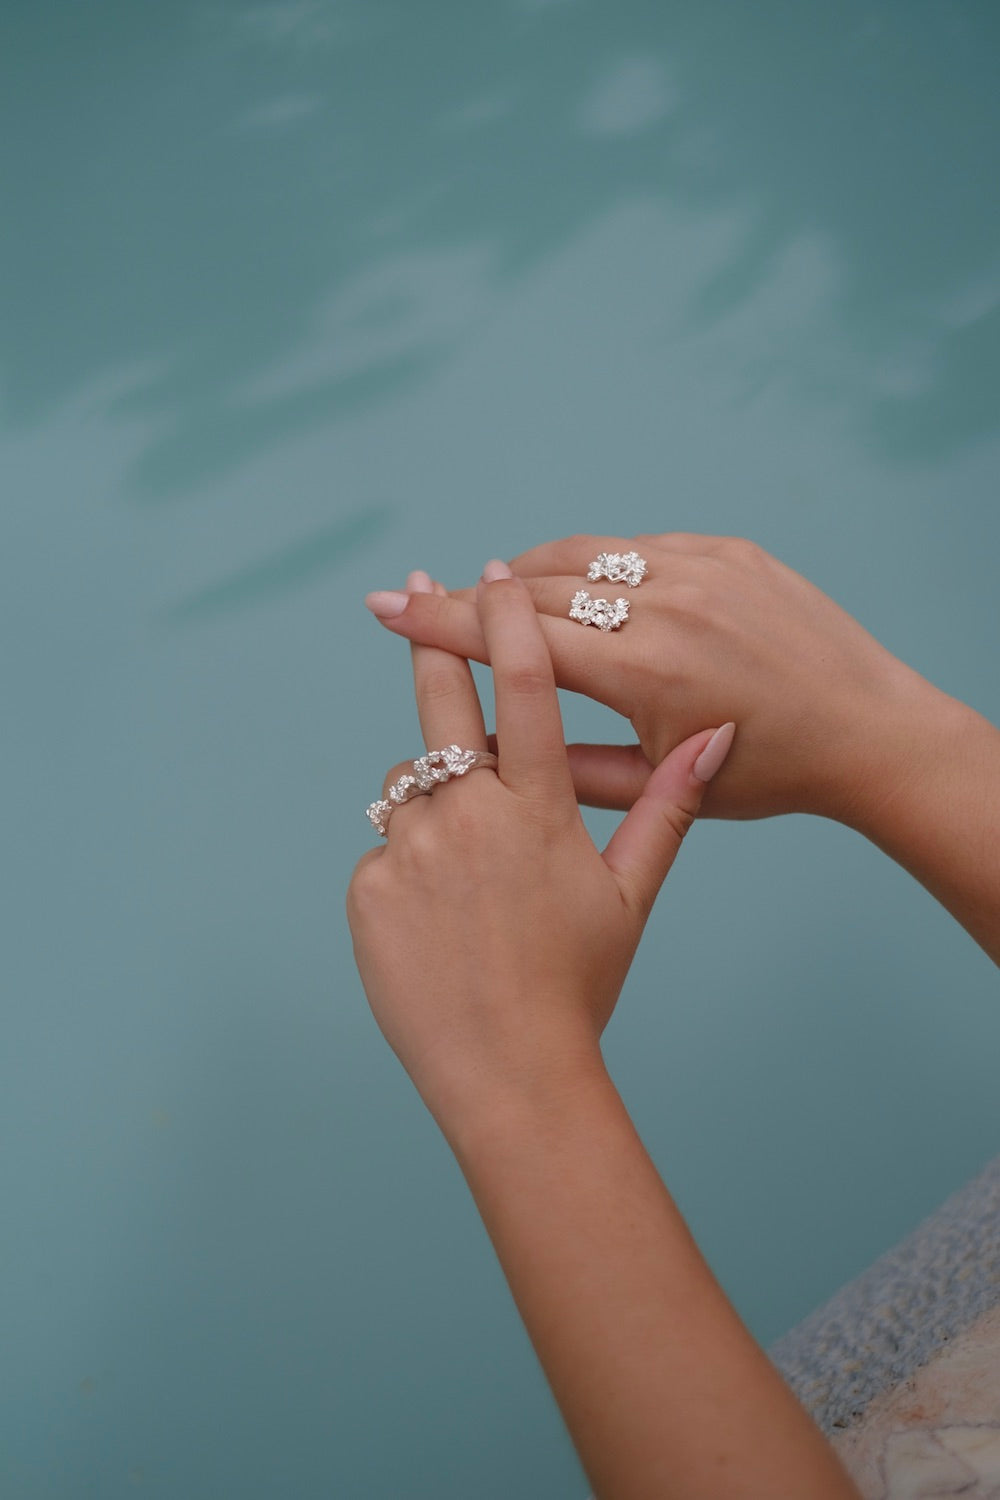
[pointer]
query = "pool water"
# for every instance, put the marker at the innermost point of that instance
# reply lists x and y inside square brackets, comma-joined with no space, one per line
[296,297]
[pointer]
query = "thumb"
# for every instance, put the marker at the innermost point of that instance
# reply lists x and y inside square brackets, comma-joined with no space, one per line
[645,843]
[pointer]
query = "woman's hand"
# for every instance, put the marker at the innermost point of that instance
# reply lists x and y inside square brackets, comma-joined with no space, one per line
[492,936]
[493,939]
[718,629]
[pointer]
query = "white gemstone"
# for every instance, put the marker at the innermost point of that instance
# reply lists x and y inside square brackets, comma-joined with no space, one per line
[458,761]
[376,814]
[618,567]
[422,774]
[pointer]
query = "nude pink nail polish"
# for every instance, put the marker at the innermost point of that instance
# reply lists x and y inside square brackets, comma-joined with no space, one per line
[386,604]
[714,753]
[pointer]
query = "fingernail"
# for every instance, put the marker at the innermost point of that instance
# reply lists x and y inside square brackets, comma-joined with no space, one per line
[714,753]
[496,569]
[419,582]
[386,604]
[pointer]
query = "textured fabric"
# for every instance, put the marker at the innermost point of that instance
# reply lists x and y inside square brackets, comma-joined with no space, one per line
[893,1317]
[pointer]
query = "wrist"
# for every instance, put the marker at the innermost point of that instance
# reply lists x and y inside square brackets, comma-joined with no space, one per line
[930,802]
[491,1105]
[893,750]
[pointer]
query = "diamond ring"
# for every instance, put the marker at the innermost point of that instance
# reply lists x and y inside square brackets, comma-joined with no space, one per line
[618,567]
[599,612]
[429,771]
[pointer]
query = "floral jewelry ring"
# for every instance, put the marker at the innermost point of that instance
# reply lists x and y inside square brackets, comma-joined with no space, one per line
[599,612]
[618,567]
[429,771]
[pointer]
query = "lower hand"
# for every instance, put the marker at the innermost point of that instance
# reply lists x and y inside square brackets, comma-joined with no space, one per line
[492,936]
[719,629]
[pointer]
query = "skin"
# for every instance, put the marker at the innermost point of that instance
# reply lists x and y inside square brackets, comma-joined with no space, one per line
[831,722]
[493,939]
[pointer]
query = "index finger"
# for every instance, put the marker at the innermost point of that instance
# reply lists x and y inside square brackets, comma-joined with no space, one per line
[530,743]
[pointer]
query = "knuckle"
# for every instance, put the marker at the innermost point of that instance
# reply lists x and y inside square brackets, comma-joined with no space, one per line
[587,545]
[678,819]
[420,843]
[527,679]
[438,683]
[742,549]
[364,890]
[688,597]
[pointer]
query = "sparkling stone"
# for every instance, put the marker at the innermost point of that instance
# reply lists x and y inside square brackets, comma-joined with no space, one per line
[458,761]
[599,612]
[376,814]
[423,775]
[618,567]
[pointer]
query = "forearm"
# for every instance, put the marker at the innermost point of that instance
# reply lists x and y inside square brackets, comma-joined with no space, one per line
[665,1393]
[932,802]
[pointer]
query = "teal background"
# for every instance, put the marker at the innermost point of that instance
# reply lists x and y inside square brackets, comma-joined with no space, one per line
[298,296]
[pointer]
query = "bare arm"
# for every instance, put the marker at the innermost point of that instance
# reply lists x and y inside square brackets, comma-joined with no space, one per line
[931,801]
[666,1394]
[493,940]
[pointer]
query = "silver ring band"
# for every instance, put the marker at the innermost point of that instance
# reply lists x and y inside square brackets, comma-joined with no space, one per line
[429,771]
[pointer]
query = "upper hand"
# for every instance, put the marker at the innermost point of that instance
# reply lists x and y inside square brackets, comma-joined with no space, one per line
[718,629]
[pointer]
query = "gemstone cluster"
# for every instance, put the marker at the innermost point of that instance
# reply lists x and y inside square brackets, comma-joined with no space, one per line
[600,612]
[428,772]
[618,567]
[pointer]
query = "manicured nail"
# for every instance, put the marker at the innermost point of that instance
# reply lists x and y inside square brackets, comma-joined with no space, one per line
[419,582]
[496,569]
[385,604]
[714,753]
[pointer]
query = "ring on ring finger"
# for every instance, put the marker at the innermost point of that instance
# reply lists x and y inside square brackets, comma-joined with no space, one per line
[429,771]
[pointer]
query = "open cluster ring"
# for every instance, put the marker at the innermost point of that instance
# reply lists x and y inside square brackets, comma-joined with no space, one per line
[429,771]
[600,612]
[618,567]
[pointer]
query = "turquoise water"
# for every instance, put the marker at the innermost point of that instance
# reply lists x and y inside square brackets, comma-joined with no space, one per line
[299,296]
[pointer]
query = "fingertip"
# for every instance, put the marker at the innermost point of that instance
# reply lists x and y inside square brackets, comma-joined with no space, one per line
[498,583]
[682,777]
[711,758]
[386,604]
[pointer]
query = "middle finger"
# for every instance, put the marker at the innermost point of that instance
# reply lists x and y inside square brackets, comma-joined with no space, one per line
[553,596]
